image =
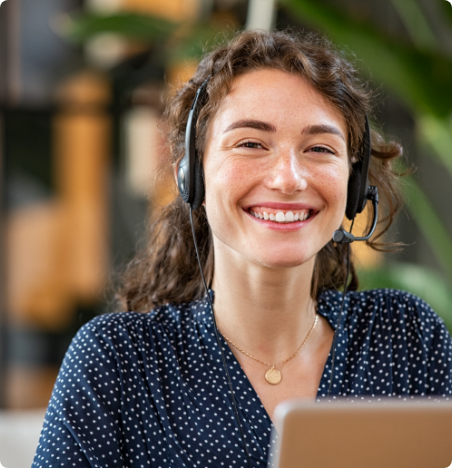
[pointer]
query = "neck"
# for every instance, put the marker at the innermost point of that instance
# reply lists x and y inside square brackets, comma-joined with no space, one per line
[266,312]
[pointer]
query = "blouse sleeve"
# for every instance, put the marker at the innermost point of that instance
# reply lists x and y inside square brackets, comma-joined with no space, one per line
[57,446]
[440,365]
[82,427]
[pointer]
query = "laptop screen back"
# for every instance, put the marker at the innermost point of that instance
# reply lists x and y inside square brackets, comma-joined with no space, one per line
[343,434]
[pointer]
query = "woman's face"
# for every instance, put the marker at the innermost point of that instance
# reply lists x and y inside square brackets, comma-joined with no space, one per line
[276,170]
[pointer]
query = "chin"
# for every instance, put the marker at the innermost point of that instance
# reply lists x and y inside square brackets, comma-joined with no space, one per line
[282,265]
[283,260]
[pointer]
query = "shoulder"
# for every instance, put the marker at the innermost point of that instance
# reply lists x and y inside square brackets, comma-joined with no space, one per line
[165,319]
[168,322]
[396,312]
[391,342]
[394,306]
[113,347]
[385,302]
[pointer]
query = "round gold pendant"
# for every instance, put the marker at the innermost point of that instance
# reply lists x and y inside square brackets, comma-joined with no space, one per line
[273,376]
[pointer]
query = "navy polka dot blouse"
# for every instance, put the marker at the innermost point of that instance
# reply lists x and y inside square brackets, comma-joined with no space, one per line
[148,390]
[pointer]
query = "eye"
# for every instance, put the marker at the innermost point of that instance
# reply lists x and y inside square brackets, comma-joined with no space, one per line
[250,144]
[321,149]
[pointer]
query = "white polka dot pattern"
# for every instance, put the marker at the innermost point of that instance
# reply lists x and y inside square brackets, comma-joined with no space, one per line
[148,390]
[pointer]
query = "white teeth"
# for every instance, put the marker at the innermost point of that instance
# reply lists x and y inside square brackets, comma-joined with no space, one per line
[280,217]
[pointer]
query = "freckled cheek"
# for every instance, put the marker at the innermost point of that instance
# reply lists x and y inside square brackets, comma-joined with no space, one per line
[232,181]
[333,186]
[231,177]
[224,190]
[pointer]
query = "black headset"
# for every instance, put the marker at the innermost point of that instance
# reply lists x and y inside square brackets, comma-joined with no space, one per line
[190,179]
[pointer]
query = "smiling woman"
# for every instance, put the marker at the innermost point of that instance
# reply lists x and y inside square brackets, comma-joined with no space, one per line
[329,81]
[280,132]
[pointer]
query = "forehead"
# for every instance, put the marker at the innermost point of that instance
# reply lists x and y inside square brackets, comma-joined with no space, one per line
[278,95]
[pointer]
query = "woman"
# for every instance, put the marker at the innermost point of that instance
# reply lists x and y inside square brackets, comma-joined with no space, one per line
[280,125]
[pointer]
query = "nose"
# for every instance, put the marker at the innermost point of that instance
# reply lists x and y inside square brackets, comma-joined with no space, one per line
[287,174]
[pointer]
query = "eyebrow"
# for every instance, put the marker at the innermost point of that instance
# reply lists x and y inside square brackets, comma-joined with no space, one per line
[267,127]
[256,124]
[320,129]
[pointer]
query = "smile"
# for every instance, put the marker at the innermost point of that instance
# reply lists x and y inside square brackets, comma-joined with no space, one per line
[281,216]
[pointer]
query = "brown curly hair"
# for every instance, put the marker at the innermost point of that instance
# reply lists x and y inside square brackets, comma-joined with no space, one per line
[166,269]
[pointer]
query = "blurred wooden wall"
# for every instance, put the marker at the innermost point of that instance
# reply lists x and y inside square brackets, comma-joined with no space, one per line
[58,249]
[176,10]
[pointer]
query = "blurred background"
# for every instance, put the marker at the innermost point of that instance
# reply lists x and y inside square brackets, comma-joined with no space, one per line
[82,91]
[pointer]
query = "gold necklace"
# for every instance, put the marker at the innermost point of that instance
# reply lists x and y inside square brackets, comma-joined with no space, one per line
[274,376]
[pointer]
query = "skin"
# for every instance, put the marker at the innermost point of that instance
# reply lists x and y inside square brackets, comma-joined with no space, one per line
[293,154]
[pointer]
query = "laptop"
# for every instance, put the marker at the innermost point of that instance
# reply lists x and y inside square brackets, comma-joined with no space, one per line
[390,433]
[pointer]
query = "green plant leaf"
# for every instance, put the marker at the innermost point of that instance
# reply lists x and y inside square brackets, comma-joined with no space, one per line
[196,40]
[416,24]
[429,223]
[437,133]
[83,27]
[445,10]
[420,78]
[418,280]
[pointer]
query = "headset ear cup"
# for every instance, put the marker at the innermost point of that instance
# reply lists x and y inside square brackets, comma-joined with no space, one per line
[199,190]
[358,182]
[354,185]
[190,178]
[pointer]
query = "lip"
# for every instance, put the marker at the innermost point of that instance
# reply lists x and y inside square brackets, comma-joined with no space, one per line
[282,206]
[285,227]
